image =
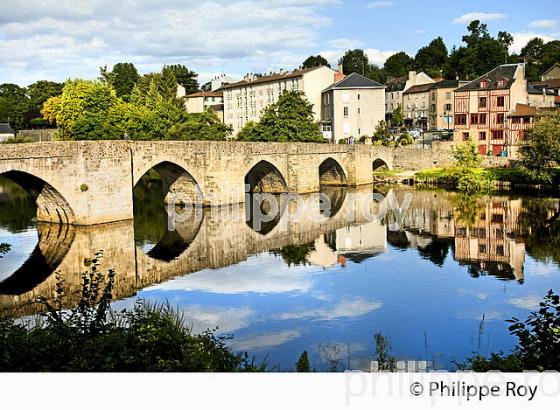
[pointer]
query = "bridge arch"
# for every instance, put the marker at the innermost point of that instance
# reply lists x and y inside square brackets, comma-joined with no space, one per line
[178,185]
[379,164]
[51,204]
[331,173]
[265,177]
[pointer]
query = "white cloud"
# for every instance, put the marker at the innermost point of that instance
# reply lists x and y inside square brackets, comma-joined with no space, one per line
[545,24]
[377,56]
[468,17]
[345,309]
[417,32]
[53,39]
[255,342]
[528,302]
[379,4]
[520,39]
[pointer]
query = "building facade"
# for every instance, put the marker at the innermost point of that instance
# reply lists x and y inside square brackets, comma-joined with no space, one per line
[245,99]
[482,109]
[352,107]
[218,82]
[395,87]
[441,104]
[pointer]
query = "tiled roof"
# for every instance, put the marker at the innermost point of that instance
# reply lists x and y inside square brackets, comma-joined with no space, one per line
[272,77]
[550,84]
[538,89]
[355,80]
[447,84]
[524,110]
[504,71]
[5,128]
[422,88]
[396,84]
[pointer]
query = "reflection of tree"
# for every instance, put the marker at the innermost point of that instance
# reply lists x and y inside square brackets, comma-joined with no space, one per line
[436,251]
[150,217]
[539,224]
[295,254]
[398,239]
[466,209]
[18,211]
[4,248]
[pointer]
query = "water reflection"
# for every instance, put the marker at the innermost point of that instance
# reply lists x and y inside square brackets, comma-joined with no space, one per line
[304,283]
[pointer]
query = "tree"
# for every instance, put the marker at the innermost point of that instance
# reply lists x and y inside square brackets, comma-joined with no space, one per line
[542,146]
[167,86]
[302,365]
[533,50]
[355,61]
[398,64]
[289,119]
[183,76]
[13,106]
[432,57]
[123,78]
[50,109]
[41,91]
[315,61]
[200,126]
[382,133]
[397,118]
[506,40]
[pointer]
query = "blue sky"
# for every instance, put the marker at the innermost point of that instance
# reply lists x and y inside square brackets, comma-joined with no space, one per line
[49,39]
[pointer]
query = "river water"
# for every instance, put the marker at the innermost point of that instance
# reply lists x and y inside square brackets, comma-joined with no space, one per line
[440,287]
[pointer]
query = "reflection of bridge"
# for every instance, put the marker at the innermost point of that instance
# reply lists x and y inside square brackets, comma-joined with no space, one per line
[89,182]
[215,242]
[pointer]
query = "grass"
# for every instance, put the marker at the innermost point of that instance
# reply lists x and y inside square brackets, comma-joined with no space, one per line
[513,175]
[387,172]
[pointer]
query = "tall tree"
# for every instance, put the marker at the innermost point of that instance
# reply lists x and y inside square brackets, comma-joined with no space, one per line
[432,57]
[185,77]
[355,61]
[123,78]
[506,40]
[398,64]
[13,106]
[533,50]
[315,61]
[288,119]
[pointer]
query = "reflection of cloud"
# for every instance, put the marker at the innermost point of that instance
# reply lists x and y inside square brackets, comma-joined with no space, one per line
[227,320]
[263,341]
[347,309]
[477,294]
[542,269]
[264,273]
[528,302]
[488,315]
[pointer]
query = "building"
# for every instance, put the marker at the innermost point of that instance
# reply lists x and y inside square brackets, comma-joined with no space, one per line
[441,104]
[6,131]
[245,99]
[553,73]
[396,86]
[416,105]
[206,100]
[482,108]
[352,107]
[218,82]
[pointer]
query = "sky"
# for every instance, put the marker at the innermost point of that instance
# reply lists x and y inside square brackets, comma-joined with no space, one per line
[60,39]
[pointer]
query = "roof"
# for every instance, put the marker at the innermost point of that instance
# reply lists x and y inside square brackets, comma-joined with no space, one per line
[550,69]
[550,84]
[5,128]
[206,94]
[447,84]
[354,80]
[396,83]
[538,89]
[506,71]
[525,110]
[273,77]
[422,88]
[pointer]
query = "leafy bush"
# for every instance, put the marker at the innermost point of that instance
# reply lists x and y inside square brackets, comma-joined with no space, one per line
[91,337]
[405,139]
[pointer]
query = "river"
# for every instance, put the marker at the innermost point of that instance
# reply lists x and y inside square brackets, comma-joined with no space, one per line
[440,287]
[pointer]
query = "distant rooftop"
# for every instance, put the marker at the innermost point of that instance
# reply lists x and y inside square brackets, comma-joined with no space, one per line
[5,128]
[354,80]
[271,77]
[504,71]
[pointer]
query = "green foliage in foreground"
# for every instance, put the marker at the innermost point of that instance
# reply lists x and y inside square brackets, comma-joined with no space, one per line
[538,346]
[542,148]
[91,337]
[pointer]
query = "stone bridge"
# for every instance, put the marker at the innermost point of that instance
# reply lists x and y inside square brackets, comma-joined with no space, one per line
[91,182]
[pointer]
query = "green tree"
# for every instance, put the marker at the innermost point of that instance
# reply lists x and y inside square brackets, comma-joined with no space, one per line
[382,134]
[14,106]
[185,77]
[302,365]
[200,126]
[41,91]
[355,61]
[315,61]
[398,64]
[542,146]
[167,86]
[289,119]
[397,118]
[123,78]
[506,40]
[432,57]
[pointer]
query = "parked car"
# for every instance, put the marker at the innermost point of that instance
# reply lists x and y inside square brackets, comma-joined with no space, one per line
[416,133]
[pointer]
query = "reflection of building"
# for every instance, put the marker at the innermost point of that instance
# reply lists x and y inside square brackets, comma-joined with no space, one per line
[354,242]
[488,243]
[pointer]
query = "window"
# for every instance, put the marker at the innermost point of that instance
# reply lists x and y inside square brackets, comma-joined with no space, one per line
[498,135]
[346,111]
[500,250]
[359,111]
[462,231]
[474,119]
[482,135]
[501,101]
[482,102]
[502,82]
[433,108]
[448,95]
[497,218]
[433,96]
[359,132]
[500,118]
[447,107]
[482,248]
[465,136]
[461,119]
[358,97]
[484,84]
[482,119]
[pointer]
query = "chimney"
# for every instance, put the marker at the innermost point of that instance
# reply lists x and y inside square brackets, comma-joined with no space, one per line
[339,75]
